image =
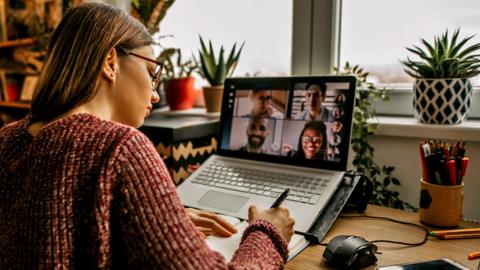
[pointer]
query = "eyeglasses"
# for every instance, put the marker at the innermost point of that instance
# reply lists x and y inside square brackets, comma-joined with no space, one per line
[315,140]
[155,77]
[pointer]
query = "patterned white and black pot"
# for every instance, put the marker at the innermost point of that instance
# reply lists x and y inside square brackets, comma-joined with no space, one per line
[442,101]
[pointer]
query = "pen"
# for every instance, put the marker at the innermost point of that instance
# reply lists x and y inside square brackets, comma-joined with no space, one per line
[280,199]
[424,162]
[474,255]
[452,172]
[456,231]
[465,161]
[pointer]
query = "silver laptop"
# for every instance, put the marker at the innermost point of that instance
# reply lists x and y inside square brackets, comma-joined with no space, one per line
[277,133]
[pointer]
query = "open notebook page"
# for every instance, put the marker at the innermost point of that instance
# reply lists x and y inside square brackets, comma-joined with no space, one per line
[227,245]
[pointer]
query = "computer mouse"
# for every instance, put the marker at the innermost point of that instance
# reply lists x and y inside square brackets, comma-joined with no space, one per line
[350,252]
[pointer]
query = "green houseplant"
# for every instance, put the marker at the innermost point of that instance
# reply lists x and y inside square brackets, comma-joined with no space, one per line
[443,91]
[215,71]
[177,68]
[151,12]
[179,84]
[381,177]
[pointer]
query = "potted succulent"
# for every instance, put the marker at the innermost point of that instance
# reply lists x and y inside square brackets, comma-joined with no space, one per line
[179,84]
[443,91]
[215,72]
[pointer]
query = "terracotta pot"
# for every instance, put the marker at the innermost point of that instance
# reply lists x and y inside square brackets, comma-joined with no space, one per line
[213,98]
[199,99]
[180,93]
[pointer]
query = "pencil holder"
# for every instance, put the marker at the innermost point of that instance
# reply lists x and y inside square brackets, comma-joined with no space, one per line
[441,205]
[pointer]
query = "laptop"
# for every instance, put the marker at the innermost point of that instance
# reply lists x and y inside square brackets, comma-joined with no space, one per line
[277,133]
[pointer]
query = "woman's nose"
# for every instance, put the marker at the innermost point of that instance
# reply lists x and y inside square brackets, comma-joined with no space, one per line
[155,97]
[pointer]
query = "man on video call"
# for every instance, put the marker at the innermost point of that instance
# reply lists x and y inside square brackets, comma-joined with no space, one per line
[257,132]
[262,105]
[314,97]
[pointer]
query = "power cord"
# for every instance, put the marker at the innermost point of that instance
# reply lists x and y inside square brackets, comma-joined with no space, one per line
[425,238]
[392,220]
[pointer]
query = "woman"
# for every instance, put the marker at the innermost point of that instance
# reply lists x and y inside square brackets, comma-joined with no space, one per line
[312,143]
[81,188]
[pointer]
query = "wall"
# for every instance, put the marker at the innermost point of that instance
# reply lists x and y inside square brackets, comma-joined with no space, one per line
[402,152]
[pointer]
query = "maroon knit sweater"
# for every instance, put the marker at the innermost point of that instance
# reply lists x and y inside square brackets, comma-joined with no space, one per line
[87,193]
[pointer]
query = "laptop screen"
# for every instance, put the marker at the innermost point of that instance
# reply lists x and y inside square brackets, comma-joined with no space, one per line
[302,121]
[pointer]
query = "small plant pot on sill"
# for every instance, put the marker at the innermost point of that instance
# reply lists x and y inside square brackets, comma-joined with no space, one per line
[213,98]
[442,101]
[180,93]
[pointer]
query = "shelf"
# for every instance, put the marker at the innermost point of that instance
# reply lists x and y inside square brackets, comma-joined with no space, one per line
[17,42]
[15,105]
[409,127]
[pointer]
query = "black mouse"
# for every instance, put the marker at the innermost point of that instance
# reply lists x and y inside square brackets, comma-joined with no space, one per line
[350,252]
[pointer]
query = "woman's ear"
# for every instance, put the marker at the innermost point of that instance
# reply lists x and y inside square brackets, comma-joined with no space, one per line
[110,66]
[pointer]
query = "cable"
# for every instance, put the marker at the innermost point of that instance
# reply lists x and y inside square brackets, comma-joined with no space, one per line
[397,221]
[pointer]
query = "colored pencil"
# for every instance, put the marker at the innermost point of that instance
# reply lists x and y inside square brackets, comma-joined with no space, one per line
[474,255]
[456,231]
[458,236]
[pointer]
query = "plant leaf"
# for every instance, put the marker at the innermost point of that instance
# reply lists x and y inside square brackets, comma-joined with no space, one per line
[221,72]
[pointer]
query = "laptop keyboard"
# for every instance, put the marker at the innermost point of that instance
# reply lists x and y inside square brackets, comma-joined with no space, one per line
[303,189]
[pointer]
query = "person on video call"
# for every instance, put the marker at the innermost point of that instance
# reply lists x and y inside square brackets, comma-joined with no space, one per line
[82,188]
[337,113]
[262,105]
[333,153]
[314,97]
[312,143]
[257,132]
[336,127]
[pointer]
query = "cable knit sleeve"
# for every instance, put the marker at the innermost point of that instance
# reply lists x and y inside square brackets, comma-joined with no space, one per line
[153,226]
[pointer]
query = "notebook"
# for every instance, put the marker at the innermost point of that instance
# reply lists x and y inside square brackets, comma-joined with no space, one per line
[228,245]
[277,133]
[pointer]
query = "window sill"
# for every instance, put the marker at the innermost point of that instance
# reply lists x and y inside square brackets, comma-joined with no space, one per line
[401,104]
[410,127]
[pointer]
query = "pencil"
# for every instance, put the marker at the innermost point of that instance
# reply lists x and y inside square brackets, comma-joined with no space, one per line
[474,255]
[456,231]
[458,236]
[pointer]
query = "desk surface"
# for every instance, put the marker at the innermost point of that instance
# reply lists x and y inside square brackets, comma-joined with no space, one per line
[178,126]
[373,229]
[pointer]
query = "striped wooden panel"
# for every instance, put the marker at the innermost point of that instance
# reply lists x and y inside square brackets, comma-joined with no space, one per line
[179,156]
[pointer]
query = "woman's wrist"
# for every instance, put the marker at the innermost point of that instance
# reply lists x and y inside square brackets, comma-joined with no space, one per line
[273,233]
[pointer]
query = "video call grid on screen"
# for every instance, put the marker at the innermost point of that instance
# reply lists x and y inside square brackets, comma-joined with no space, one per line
[288,120]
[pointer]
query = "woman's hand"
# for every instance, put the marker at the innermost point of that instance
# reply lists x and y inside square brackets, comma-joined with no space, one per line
[279,217]
[210,223]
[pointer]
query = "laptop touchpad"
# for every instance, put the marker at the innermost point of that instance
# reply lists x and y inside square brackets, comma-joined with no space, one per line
[223,201]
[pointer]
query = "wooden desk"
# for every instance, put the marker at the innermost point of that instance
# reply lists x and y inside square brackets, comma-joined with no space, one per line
[373,229]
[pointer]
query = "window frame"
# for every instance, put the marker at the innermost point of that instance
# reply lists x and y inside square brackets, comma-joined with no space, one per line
[316,39]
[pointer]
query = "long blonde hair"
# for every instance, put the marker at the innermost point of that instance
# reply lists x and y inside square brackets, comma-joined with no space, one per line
[76,54]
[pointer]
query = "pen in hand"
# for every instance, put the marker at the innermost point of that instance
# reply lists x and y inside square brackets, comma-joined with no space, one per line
[280,199]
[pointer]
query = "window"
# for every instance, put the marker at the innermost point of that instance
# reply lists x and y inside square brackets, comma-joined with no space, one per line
[370,33]
[374,33]
[265,26]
